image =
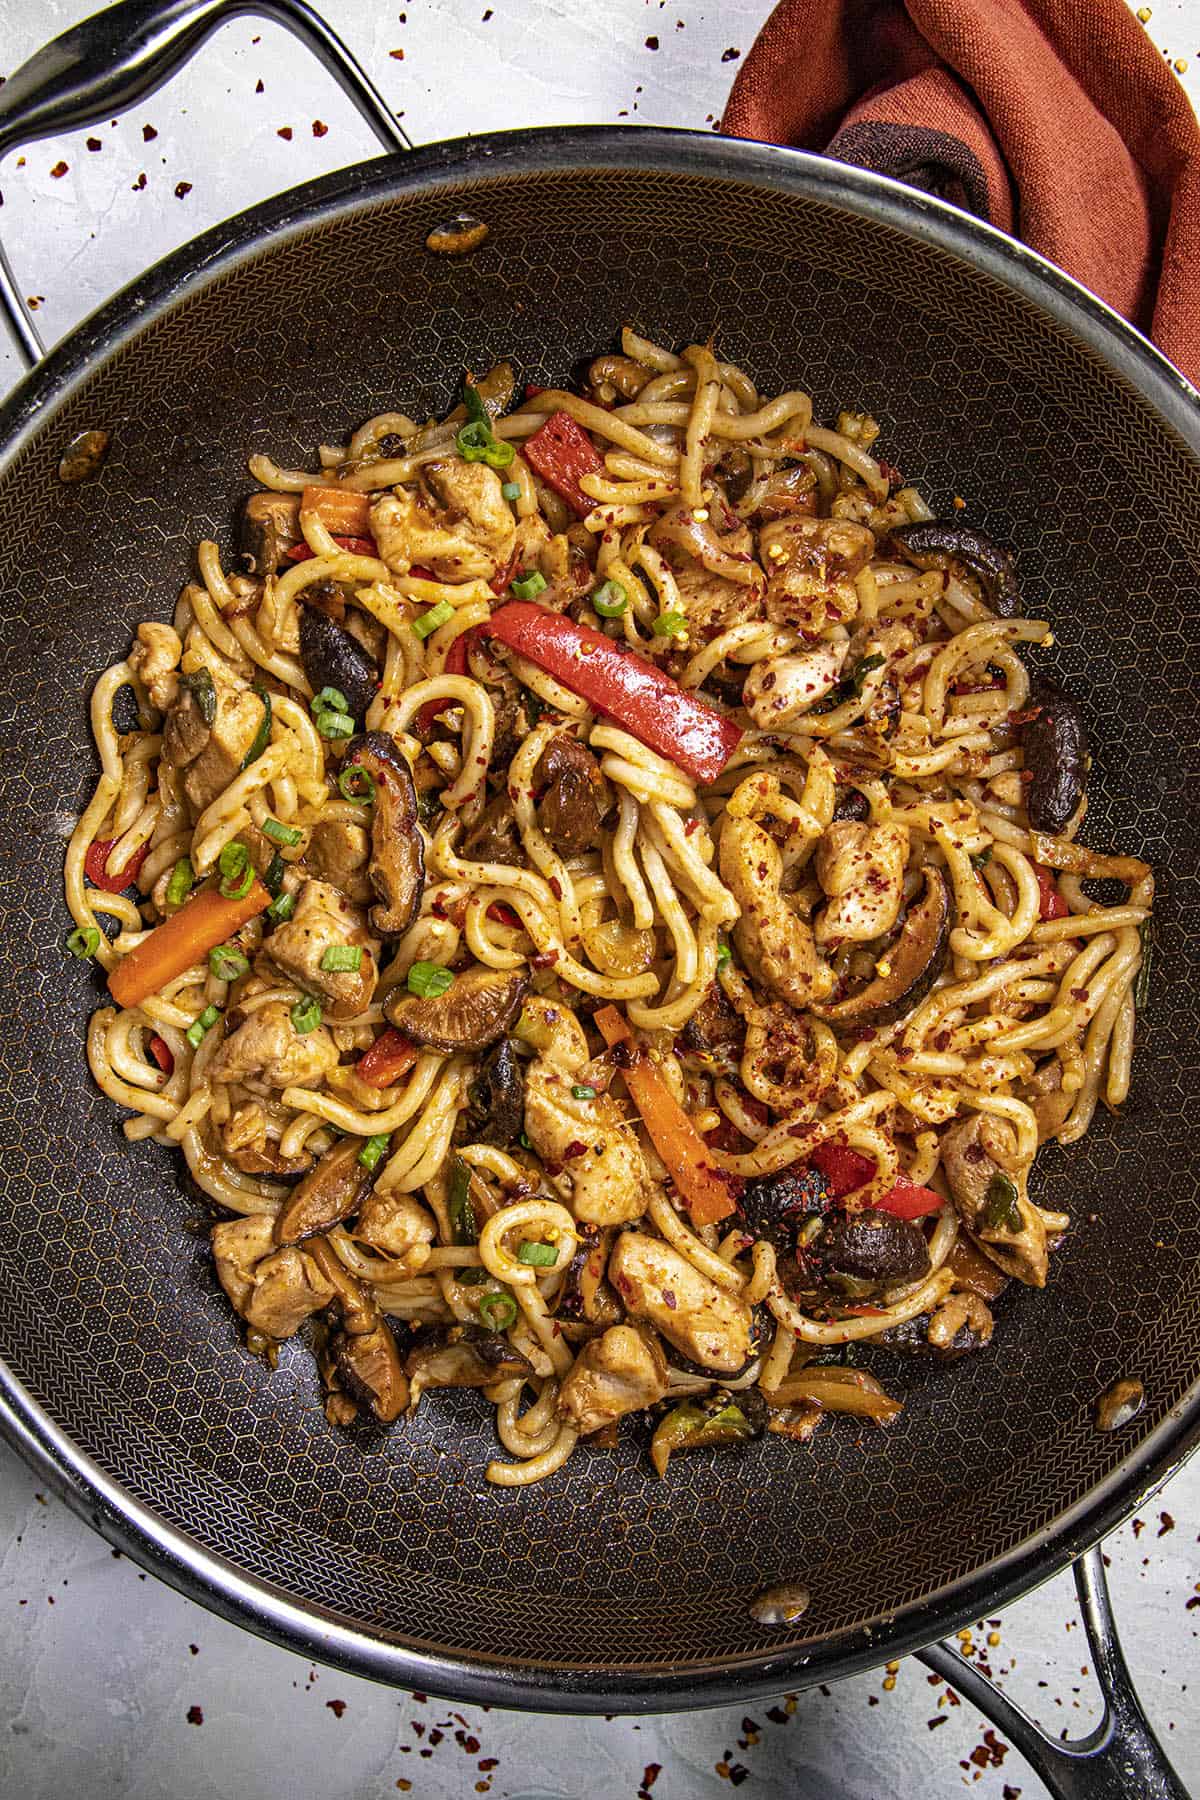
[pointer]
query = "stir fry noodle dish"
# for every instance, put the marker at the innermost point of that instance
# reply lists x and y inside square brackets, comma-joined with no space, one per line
[591,888]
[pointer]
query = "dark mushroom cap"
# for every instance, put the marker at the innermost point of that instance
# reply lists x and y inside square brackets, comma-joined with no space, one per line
[937,542]
[496,1096]
[775,1206]
[481,1006]
[1055,747]
[462,1356]
[869,1246]
[332,657]
[397,867]
[915,961]
[330,1192]
[369,1368]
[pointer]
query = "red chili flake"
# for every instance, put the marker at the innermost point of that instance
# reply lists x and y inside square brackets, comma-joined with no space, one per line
[576,1148]
[1139,1525]
[670,1301]
[486,1764]
[148,134]
[436,1736]
[195,1649]
[195,1715]
[938,1719]
[59,170]
[730,55]
[652,43]
[1011,1793]
[691,826]
[555,886]
[1165,1523]
[738,1773]
[319,128]
[545,959]
[398,54]
[777,1715]
[182,188]
[650,1775]
[502,914]
[285,132]
[469,1743]
[94,144]
[260,87]
[140,183]
[336,1707]
[161,1052]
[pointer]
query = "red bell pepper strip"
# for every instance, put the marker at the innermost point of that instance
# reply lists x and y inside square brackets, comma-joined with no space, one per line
[387,1060]
[455,664]
[845,1169]
[355,546]
[685,1153]
[95,866]
[160,1050]
[1051,904]
[627,687]
[561,452]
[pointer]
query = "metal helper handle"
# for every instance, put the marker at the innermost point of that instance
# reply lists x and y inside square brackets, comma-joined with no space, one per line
[125,53]
[1121,1759]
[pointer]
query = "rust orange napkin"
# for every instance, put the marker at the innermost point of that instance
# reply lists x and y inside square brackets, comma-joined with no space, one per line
[1056,120]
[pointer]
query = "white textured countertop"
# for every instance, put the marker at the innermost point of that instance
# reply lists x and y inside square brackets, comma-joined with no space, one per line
[111,1685]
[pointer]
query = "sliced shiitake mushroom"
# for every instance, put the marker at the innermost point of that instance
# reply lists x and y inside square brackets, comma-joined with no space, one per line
[397,866]
[776,1206]
[496,1098]
[913,964]
[334,658]
[1055,746]
[461,1356]
[329,1193]
[369,1368]
[939,543]
[267,528]
[479,1008]
[867,1247]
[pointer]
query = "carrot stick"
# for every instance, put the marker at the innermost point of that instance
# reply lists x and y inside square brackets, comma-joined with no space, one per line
[341,511]
[206,920]
[683,1150]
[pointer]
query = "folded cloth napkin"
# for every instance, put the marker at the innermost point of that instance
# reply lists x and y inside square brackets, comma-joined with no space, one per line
[1056,120]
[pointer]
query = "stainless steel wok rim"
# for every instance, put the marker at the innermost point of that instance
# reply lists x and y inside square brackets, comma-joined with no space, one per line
[170,1553]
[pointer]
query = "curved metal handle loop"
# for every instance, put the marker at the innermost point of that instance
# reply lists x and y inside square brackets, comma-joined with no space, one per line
[125,53]
[1121,1759]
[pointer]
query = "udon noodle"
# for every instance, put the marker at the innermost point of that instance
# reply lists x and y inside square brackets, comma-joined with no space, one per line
[592,892]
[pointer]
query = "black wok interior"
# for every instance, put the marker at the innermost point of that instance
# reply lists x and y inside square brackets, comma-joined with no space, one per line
[109,1312]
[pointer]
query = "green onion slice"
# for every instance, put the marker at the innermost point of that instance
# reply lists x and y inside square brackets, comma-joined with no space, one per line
[280,833]
[583,1092]
[183,879]
[330,699]
[497,1311]
[227,962]
[334,725]
[262,736]
[669,624]
[441,614]
[306,1015]
[201,1026]
[429,979]
[236,870]
[528,587]
[84,942]
[276,870]
[357,785]
[342,959]
[724,954]
[282,908]
[511,490]
[374,1150]
[539,1256]
[200,686]
[610,600]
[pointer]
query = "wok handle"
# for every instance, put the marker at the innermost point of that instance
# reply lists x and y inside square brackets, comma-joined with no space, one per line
[126,52]
[1121,1759]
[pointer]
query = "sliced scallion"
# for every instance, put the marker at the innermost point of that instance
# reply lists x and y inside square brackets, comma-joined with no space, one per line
[282,908]
[497,1311]
[335,725]
[610,600]
[227,962]
[669,624]
[201,1026]
[528,587]
[511,490]
[537,1256]
[342,959]
[583,1092]
[374,1150]
[306,1015]
[183,879]
[236,870]
[438,615]
[280,833]
[429,979]
[84,942]
[357,785]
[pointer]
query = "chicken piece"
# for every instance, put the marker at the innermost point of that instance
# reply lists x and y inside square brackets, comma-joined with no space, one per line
[209,732]
[711,603]
[493,837]
[989,1187]
[273,1290]
[1044,1092]
[154,659]
[394,1223]
[619,1373]
[323,923]
[811,565]
[704,1322]
[247,1144]
[861,868]
[773,941]
[338,852]
[463,532]
[719,583]
[781,689]
[266,1051]
[590,1143]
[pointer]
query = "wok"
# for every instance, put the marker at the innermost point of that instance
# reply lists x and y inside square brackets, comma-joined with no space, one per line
[996,379]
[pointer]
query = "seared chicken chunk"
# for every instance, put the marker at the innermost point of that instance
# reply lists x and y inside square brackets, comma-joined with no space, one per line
[273,1290]
[619,1373]
[989,1187]
[339,851]
[394,1223]
[266,1051]
[811,565]
[781,689]
[773,940]
[210,731]
[861,868]
[154,659]
[464,531]
[655,1283]
[590,1143]
[323,924]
